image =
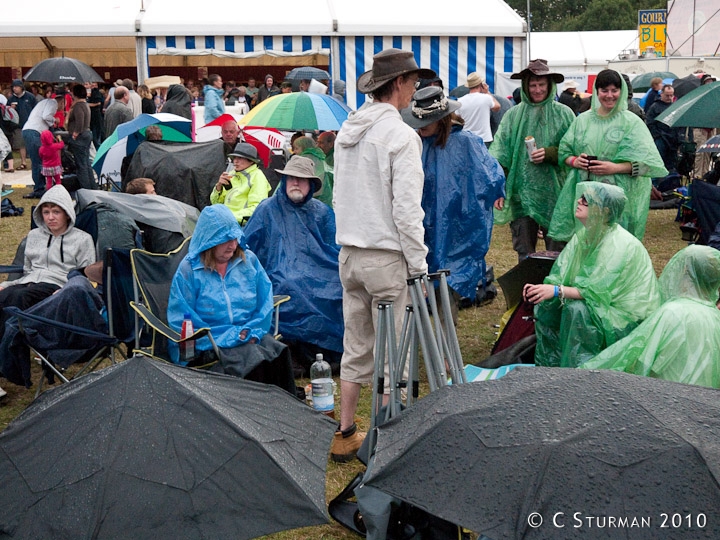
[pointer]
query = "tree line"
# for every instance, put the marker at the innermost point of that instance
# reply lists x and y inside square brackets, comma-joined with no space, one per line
[574,15]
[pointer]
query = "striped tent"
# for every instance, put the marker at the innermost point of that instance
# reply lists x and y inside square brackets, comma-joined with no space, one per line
[486,36]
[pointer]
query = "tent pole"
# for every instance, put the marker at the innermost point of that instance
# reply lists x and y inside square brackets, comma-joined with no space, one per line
[141,59]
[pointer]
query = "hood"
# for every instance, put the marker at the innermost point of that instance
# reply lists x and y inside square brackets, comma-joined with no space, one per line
[216,225]
[358,122]
[693,272]
[620,105]
[46,137]
[208,88]
[177,92]
[56,195]
[525,93]
[281,194]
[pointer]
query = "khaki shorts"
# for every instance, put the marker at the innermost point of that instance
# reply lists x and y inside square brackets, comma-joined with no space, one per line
[369,276]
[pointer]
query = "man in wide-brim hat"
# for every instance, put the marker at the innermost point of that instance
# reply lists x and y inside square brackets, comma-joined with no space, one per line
[377,199]
[243,188]
[533,177]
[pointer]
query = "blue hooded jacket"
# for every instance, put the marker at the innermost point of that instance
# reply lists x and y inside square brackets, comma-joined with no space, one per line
[462,181]
[295,242]
[242,299]
[214,105]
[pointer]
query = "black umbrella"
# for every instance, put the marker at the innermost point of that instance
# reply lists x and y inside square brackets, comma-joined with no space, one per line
[685,85]
[62,70]
[151,450]
[561,447]
[307,73]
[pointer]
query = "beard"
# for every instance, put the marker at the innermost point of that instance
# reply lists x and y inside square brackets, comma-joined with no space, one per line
[295,195]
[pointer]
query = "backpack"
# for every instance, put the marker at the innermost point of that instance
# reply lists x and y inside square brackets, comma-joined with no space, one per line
[10,118]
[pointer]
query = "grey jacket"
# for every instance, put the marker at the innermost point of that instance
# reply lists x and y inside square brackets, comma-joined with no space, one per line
[48,258]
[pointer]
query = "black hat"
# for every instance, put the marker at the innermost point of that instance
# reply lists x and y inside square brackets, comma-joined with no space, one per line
[429,104]
[247,151]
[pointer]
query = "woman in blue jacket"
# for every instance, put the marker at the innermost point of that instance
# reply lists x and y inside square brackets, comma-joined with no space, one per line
[222,286]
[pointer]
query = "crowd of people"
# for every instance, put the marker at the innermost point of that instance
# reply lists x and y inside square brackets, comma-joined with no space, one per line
[412,183]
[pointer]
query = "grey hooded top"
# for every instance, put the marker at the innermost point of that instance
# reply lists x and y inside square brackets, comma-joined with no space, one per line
[48,258]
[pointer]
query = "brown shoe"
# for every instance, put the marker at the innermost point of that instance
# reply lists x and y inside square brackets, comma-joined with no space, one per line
[346,444]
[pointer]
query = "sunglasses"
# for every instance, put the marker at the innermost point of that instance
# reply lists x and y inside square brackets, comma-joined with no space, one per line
[583,201]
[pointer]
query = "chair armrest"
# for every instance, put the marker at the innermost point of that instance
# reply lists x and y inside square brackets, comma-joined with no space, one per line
[10,269]
[21,315]
[280,299]
[159,326]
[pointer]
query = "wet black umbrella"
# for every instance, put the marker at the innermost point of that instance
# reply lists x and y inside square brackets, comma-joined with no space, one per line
[62,70]
[307,73]
[685,85]
[540,452]
[152,450]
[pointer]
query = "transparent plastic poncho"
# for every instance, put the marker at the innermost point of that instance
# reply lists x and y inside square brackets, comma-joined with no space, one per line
[614,274]
[620,137]
[531,190]
[681,340]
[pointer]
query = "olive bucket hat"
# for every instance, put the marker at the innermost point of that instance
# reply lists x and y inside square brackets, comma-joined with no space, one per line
[302,167]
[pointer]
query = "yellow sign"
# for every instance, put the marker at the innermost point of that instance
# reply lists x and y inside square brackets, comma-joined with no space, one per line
[651,32]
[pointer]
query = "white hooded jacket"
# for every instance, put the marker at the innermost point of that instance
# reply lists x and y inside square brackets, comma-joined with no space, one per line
[379,183]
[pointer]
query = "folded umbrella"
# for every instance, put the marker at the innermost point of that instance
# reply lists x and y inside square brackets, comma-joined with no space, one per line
[152,450]
[533,453]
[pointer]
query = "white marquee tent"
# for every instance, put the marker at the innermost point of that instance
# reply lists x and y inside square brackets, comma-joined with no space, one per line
[488,37]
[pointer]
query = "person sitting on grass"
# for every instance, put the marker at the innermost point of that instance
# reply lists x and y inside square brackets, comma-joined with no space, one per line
[600,288]
[681,341]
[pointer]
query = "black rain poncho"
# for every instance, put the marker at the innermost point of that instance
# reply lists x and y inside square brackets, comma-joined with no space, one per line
[531,190]
[620,137]
[614,274]
[681,340]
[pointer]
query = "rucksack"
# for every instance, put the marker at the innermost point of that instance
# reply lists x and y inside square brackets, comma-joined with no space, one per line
[10,118]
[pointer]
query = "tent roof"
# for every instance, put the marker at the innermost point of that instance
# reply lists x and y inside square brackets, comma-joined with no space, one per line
[423,18]
[578,49]
[45,18]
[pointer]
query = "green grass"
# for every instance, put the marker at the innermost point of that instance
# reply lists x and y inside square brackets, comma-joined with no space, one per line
[476,333]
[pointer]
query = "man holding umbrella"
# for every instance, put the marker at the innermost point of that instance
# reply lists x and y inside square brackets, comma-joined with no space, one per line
[667,139]
[377,199]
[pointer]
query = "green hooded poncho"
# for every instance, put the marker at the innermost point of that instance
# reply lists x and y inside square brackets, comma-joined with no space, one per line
[681,340]
[620,137]
[531,190]
[614,274]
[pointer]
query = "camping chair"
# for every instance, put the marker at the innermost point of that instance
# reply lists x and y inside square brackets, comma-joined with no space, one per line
[153,273]
[57,344]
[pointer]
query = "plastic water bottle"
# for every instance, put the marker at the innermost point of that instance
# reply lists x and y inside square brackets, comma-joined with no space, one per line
[187,348]
[323,397]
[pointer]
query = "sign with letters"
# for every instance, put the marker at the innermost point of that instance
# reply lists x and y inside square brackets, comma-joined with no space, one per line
[652,30]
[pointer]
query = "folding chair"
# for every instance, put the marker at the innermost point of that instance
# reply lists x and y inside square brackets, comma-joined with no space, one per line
[58,344]
[153,274]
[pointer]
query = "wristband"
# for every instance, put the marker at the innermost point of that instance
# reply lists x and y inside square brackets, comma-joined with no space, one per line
[572,161]
[557,290]
[562,296]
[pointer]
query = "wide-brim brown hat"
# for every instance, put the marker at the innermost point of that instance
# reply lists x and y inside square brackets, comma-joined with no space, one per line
[428,105]
[302,167]
[387,65]
[539,68]
[247,151]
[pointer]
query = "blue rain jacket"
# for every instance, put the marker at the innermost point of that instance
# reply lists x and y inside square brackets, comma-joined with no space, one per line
[462,181]
[295,243]
[227,305]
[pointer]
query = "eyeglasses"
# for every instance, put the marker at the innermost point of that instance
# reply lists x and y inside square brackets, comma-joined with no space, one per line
[583,201]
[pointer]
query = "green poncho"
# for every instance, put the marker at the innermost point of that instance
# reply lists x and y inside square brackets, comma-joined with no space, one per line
[620,137]
[614,274]
[531,190]
[681,340]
